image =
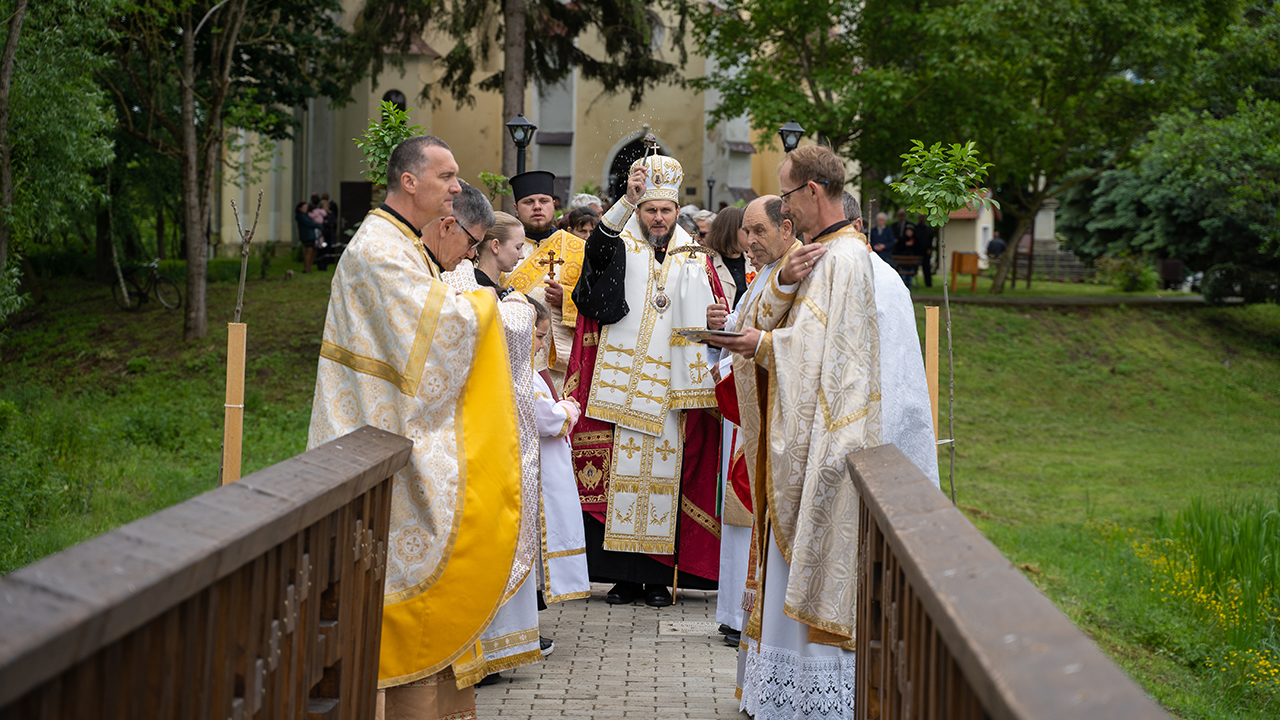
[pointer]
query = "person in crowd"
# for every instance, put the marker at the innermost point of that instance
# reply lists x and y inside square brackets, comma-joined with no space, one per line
[685,219]
[703,219]
[900,226]
[908,244]
[852,210]
[727,258]
[448,562]
[819,399]
[581,221]
[586,200]
[330,220]
[308,231]
[925,235]
[882,238]
[996,245]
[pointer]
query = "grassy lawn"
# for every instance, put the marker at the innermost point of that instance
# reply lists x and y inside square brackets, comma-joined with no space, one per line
[1081,433]
[1039,288]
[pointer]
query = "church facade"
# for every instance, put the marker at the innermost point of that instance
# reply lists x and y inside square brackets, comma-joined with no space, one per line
[585,136]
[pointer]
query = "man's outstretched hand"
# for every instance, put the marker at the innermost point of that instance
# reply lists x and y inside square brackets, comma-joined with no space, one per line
[745,345]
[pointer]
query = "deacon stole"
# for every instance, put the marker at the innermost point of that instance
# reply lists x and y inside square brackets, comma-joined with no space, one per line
[559,257]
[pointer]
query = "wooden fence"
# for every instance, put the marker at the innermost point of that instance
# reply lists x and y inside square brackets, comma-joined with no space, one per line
[262,599]
[948,628]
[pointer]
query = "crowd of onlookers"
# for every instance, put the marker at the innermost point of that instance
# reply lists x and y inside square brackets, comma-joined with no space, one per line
[904,239]
[317,228]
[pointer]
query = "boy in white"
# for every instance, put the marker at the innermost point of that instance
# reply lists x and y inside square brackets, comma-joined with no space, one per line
[564,560]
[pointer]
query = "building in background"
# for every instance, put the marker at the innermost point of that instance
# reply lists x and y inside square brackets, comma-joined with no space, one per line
[585,137]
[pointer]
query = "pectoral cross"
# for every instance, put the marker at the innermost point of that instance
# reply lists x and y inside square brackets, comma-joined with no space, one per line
[550,262]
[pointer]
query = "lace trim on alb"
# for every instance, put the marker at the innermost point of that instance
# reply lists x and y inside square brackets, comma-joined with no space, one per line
[781,685]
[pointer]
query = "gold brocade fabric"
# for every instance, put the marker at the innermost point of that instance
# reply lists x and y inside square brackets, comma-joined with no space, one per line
[528,277]
[404,352]
[821,355]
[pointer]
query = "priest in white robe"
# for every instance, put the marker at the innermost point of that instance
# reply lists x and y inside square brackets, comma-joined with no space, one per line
[813,332]
[405,352]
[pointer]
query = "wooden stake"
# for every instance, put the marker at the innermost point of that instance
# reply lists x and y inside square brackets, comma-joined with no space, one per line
[931,361]
[233,424]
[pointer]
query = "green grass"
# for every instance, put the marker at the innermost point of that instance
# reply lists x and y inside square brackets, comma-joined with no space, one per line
[1068,420]
[1039,288]
[107,416]
[1081,432]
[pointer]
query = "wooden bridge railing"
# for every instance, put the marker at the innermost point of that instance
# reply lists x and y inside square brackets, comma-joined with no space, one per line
[948,628]
[262,599]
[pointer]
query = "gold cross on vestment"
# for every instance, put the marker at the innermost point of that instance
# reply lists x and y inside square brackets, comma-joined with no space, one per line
[550,262]
[630,448]
[698,369]
[666,450]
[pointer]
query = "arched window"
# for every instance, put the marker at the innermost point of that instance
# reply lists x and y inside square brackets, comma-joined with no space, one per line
[397,98]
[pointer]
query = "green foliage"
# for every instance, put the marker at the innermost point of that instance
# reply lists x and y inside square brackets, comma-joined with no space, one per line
[1200,188]
[936,181]
[1128,273]
[1253,284]
[382,136]
[629,61]
[59,117]
[496,183]
[590,188]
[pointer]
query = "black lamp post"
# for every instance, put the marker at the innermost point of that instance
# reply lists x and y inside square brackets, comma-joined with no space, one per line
[711,189]
[521,134]
[791,134]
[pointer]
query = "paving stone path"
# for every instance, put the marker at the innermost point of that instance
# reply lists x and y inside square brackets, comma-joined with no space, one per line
[623,661]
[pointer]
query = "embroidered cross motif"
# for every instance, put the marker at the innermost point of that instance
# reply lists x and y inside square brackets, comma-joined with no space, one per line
[653,379]
[550,262]
[630,448]
[766,311]
[647,396]
[619,388]
[615,368]
[615,348]
[655,361]
[666,450]
[698,369]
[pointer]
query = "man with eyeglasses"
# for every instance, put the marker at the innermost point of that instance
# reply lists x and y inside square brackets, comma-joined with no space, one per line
[451,238]
[811,351]
[405,352]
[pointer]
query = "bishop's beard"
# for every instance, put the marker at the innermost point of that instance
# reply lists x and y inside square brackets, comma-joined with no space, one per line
[657,241]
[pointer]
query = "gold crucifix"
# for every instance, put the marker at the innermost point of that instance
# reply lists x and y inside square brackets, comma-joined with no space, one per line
[550,262]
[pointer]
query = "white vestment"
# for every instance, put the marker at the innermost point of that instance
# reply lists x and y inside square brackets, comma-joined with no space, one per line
[564,544]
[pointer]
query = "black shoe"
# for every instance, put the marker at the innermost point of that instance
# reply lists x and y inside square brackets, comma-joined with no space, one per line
[624,593]
[548,645]
[657,596]
[733,638]
[725,629]
[490,679]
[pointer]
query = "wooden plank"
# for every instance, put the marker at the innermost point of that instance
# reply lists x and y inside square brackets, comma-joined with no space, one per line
[1023,658]
[233,417]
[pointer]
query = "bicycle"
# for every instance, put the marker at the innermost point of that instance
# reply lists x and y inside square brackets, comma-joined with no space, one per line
[164,289]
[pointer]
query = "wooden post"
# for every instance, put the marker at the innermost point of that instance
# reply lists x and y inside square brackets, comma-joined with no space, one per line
[931,360]
[233,424]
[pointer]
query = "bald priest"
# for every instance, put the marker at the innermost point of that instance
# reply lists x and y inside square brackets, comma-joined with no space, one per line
[645,453]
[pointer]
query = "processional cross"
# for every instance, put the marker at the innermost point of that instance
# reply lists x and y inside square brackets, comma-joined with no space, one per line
[550,262]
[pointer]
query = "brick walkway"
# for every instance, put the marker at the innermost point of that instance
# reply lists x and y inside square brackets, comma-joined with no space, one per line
[623,661]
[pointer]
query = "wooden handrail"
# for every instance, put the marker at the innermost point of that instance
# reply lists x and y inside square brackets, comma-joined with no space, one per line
[251,595]
[948,628]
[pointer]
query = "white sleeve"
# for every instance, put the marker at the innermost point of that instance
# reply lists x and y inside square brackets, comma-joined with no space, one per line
[552,420]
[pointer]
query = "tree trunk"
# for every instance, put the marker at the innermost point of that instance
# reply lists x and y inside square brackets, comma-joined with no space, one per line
[1011,251]
[103,269]
[6,156]
[513,77]
[160,235]
[195,324]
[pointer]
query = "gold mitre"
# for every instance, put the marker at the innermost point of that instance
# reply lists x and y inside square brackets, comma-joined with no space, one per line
[664,179]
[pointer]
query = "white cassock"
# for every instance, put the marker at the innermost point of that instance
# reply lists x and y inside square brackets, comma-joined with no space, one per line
[564,545]
[785,675]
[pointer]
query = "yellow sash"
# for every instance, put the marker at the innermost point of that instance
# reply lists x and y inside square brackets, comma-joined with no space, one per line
[532,270]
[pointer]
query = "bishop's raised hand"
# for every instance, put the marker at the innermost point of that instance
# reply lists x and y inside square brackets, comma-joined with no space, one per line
[636,183]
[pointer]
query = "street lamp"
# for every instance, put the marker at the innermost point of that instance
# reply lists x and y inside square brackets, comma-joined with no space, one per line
[711,188]
[521,134]
[791,134]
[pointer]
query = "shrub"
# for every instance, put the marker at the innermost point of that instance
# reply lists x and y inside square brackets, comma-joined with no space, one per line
[1253,284]
[1128,273]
